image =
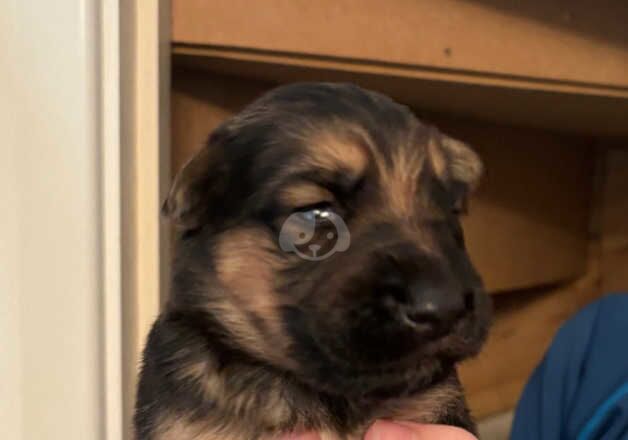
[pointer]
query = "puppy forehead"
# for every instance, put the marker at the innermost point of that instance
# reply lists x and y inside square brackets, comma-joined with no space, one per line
[353,149]
[344,132]
[349,153]
[341,126]
[337,152]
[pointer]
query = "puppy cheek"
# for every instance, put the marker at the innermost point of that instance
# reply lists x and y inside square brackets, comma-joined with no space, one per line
[249,305]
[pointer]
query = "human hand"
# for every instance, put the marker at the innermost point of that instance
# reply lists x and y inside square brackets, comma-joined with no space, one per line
[385,430]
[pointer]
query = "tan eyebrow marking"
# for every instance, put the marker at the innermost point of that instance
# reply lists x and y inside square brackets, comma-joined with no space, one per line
[400,181]
[303,194]
[335,152]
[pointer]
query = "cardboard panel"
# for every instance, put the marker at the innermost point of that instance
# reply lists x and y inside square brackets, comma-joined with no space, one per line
[528,221]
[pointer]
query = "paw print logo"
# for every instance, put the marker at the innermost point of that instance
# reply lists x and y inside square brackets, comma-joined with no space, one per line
[314,234]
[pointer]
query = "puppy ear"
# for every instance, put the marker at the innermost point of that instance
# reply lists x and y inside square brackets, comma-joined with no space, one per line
[454,162]
[456,165]
[196,188]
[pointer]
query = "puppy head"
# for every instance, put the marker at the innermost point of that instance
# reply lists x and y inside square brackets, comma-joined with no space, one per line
[320,230]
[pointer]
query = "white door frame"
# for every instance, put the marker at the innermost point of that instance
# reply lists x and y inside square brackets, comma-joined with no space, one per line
[143,171]
[84,162]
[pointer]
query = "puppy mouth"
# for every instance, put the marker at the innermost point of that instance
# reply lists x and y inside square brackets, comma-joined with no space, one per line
[414,369]
[367,340]
[329,363]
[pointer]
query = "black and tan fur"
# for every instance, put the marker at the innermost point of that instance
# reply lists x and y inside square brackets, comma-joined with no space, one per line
[254,342]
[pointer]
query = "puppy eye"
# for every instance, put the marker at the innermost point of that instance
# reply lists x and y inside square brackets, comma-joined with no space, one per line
[316,213]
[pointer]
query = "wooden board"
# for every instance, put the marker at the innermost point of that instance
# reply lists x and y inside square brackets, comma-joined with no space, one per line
[558,107]
[200,102]
[528,222]
[582,41]
[526,321]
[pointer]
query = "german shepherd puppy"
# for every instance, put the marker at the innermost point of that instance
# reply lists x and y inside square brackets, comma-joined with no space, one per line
[320,277]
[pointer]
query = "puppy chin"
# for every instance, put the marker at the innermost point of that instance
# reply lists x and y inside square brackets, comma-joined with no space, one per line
[377,383]
[341,376]
[429,363]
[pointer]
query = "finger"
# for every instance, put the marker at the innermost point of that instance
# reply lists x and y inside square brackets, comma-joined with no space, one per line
[382,430]
[385,430]
[440,431]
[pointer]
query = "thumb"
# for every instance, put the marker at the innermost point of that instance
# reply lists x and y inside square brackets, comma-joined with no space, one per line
[385,430]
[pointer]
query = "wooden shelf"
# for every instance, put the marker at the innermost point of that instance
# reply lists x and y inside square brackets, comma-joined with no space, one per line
[537,63]
[567,43]
[569,108]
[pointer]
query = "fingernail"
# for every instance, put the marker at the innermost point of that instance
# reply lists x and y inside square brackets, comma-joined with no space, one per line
[383,430]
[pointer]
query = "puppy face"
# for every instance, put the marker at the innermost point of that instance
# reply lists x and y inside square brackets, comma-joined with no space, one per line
[320,234]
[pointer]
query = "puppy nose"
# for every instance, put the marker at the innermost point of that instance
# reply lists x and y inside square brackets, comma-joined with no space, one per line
[433,304]
[428,304]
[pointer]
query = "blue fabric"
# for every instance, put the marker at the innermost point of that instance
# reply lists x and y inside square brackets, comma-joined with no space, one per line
[607,412]
[580,389]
